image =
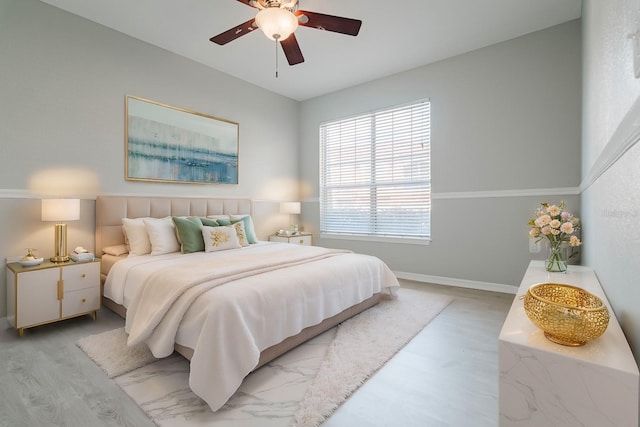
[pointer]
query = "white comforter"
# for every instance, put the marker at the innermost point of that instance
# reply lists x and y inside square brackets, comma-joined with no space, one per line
[229,306]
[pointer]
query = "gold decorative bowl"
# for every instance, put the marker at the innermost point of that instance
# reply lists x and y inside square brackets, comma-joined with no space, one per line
[568,315]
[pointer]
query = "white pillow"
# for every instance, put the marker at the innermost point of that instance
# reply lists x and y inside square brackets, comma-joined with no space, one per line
[249,229]
[220,238]
[115,250]
[136,236]
[162,235]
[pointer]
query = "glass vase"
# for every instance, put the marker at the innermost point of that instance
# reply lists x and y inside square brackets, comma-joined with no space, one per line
[557,260]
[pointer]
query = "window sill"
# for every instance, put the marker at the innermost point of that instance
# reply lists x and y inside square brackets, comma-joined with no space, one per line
[399,240]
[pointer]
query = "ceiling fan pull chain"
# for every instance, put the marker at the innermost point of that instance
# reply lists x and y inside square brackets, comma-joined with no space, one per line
[276,44]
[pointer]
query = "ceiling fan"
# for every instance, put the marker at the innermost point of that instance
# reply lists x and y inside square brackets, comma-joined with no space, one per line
[279,19]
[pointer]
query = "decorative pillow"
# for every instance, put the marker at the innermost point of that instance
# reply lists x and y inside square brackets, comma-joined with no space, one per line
[162,235]
[210,222]
[248,226]
[189,234]
[240,232]
[136,235]
[220,219]
[220,238]
[115,250]
[126,238]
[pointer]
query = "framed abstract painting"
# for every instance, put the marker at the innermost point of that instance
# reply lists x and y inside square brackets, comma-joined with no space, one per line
[170,144]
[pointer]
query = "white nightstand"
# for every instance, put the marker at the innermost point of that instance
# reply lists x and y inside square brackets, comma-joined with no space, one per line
[299,239]
[50,292]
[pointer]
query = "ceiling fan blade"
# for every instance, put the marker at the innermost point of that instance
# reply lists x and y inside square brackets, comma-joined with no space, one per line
[234,33]
[336,24]
[247,2]
[292,50]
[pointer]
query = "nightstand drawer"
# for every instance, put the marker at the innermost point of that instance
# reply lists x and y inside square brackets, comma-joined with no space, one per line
[301,240]
[81,276]
[81,301]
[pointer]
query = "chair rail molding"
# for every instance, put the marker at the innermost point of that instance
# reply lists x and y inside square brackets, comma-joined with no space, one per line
[490,194]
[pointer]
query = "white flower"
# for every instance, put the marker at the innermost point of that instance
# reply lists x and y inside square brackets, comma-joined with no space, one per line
[553,210]
[543,220]
[567,228]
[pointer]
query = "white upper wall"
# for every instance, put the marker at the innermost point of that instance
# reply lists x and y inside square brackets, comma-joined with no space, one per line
[609,84]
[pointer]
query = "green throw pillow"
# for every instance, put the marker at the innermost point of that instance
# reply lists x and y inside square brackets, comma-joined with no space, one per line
[211,222]
[221,221]
[189,234]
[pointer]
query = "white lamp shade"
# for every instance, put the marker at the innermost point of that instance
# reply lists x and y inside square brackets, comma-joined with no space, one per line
[60,209]
[290,207]
[276,23]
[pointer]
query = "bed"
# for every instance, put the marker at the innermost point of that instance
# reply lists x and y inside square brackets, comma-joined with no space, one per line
[228,311]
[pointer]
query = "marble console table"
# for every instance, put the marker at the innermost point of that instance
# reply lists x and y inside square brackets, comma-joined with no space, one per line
[546,384]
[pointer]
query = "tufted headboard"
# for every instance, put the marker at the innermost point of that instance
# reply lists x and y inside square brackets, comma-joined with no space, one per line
[111,209]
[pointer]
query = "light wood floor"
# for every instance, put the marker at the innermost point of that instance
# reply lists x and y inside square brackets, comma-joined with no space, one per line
[447,376]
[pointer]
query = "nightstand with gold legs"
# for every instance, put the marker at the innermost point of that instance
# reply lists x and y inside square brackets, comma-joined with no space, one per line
[50,292]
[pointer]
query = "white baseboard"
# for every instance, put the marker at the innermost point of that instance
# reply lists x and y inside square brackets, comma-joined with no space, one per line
[460,283]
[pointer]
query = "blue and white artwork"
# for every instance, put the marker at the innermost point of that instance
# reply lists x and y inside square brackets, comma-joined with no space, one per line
[170,144]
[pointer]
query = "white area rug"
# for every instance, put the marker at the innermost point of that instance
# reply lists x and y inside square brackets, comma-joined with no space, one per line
[300,388]
[109,351]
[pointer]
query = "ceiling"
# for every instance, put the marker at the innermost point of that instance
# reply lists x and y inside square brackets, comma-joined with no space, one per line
[395,35]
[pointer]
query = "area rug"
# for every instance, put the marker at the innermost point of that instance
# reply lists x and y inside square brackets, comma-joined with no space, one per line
[301,388]
[109,351]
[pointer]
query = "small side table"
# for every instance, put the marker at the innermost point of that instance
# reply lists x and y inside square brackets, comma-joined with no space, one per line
[304,239]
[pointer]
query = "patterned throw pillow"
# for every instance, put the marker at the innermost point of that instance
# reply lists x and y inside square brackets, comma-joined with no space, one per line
[220,238]
[249,228]
[242,235]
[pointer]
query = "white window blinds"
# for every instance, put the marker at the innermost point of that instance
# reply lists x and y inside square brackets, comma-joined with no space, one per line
[375,177]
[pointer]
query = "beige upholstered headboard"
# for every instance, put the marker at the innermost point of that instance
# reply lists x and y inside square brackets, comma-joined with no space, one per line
[111,209]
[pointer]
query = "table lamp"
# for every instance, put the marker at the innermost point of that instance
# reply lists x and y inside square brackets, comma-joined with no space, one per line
[291,208]
[60,210]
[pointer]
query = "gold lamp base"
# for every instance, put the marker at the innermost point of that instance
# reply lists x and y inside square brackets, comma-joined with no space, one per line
[61,244]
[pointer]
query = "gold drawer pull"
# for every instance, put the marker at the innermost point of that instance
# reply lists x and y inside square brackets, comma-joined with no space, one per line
[84,300]
[301,240]
[83,275]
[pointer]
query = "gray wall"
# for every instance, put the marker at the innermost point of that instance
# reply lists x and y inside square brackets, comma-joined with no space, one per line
[611,157]
[63,82]
[505,136]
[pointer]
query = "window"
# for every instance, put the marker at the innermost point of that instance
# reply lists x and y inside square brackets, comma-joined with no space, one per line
[375,179]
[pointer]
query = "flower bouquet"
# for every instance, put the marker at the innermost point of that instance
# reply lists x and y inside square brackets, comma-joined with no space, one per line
[557,226]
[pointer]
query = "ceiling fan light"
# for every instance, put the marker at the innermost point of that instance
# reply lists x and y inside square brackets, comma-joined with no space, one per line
[276,23]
